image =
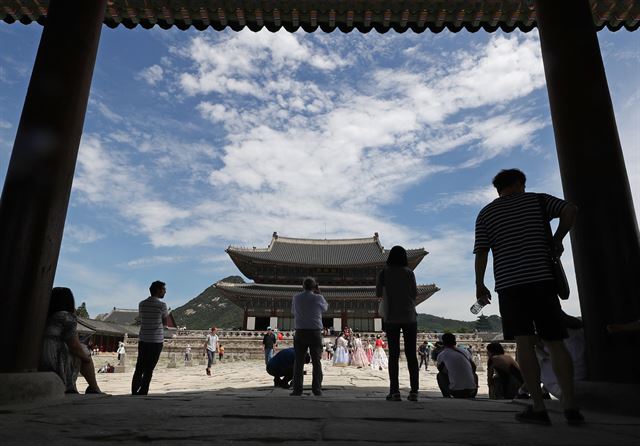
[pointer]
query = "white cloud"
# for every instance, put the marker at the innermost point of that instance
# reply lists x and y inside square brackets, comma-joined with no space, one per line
[4,124]
[476,197]
[151,75]
[146,262]
[107,112]
[300,155]
[81,234]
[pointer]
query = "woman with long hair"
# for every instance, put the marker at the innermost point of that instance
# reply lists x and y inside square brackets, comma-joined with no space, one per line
[62,351]
[359,357]
[341,356]
[396,286]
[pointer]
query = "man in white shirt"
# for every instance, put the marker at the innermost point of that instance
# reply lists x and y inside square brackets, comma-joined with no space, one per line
[153,319]
[456,376]
[211,347]
[307,308]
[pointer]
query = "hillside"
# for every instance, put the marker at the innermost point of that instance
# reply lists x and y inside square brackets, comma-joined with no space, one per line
[210,308]
[430,323]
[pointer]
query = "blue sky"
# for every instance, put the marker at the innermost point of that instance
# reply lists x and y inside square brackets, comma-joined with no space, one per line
[194,141]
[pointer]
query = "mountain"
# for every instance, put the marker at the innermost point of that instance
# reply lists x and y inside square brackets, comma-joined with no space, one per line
[430,323]
[210,308]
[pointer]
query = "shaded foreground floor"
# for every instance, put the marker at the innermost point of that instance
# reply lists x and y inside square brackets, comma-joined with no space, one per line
[353,412]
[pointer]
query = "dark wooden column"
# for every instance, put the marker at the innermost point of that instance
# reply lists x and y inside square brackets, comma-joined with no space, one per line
[605,240]
[36,191]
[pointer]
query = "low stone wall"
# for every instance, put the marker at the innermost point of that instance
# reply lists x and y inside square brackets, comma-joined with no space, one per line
[242,345]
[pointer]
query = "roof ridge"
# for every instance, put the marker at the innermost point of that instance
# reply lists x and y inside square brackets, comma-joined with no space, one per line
[333,241]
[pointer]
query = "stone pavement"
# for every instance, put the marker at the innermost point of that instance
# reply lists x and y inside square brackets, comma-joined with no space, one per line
[238,405]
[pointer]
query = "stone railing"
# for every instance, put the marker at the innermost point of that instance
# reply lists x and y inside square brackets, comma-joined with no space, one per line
[244,345]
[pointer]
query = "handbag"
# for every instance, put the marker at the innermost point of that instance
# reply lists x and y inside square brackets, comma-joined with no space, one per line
[560,278]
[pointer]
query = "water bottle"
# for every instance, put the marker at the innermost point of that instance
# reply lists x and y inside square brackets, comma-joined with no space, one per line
[475,308]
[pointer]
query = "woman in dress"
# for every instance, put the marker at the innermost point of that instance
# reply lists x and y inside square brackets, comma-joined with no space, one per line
[341,355]
[369,351]
[62,351]
[379,360]
[396,285]
[359,357]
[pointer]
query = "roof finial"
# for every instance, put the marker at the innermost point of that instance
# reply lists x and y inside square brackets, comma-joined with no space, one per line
[275,234]
[375,236]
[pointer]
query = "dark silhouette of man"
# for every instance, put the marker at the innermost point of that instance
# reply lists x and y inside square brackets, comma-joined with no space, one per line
[514,227]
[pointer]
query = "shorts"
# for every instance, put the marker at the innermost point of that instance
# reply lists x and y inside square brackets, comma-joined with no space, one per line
[530,309]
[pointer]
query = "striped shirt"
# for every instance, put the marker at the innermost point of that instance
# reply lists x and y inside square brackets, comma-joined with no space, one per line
[151,312]
[512,228]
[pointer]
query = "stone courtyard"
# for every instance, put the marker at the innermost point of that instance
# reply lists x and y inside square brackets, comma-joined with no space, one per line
[238,405]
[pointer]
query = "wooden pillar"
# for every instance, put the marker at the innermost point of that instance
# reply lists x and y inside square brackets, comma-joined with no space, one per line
[36,191]
[605,239]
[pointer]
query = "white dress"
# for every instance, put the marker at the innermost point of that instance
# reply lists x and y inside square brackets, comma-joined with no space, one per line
[341,355]
[379,360]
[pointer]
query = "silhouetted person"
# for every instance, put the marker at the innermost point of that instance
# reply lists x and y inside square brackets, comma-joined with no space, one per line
[153,318]
[62,351]
[456,377]
[281,367]
[503,373]
[513,227]
[396,285]
[424,350]
[268,342]
[307,308]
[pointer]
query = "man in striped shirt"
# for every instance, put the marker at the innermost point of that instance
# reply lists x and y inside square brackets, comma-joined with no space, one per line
[153,318]
[513,227]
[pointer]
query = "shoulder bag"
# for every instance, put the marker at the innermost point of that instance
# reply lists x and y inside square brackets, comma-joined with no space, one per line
[560,278]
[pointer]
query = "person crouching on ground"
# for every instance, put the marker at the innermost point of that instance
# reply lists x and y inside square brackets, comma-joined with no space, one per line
[503,373]
[307,308]
[62,351]
[396,285]
[281,367]
[456,376]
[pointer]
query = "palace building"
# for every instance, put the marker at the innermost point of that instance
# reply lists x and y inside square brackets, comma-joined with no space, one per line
[345,269]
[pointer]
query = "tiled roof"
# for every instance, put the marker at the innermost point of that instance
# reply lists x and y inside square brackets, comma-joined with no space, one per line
[329,15]
[106,328]
[122,316]
[235,291]
[347,252]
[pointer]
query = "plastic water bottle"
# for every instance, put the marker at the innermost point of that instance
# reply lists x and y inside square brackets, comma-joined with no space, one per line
[477,307]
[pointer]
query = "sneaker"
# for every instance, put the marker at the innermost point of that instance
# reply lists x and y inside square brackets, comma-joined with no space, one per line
[208,372]
[394,397]
[295,393]
[534,417]
[574,417]
[317,392]
[413,396]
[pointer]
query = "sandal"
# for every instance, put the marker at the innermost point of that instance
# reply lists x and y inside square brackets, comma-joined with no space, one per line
[394,397]
[534,417]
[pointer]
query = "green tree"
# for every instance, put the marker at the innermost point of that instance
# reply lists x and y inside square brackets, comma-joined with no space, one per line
[483,324]
[81,311]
